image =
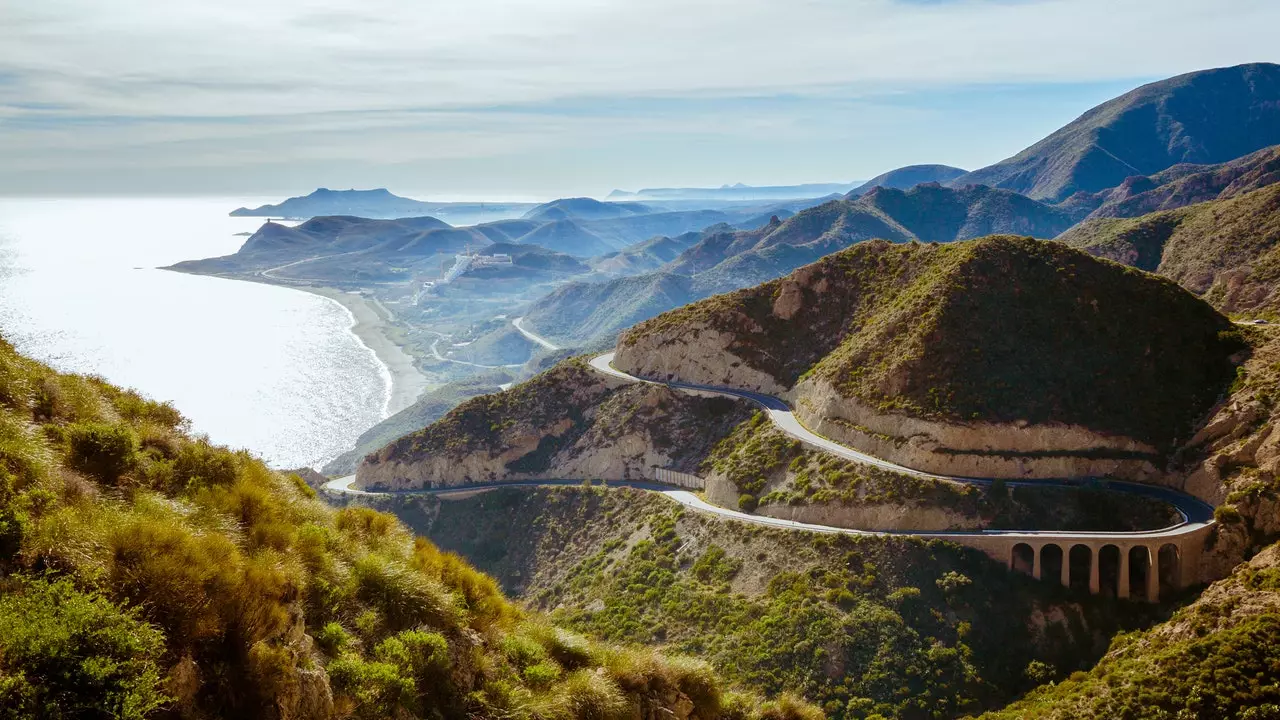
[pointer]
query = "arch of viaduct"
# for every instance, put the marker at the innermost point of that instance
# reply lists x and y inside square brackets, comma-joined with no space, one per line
[1138,566]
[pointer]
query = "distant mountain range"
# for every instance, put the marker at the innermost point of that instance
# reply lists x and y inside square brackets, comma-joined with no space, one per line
[724,259]
[382,204]
[1212,116]
[738,192]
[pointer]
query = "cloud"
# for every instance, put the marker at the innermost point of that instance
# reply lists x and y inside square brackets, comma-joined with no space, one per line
[175,81]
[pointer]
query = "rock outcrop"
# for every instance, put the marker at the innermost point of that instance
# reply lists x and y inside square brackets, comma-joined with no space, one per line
[569,423]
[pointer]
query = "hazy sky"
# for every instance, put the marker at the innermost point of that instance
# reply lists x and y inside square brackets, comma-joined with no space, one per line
[557,97]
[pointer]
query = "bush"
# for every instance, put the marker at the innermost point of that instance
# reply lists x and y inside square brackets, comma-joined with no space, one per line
[69,653]
[1227,514]
[748,503]
[104,451]
[587,695]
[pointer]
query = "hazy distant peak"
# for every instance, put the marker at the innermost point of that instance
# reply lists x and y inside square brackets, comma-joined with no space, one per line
[905,178]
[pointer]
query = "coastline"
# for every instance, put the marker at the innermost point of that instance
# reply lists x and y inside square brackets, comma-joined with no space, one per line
[407,383]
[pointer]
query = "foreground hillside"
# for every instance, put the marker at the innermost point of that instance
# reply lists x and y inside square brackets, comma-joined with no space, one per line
[865,627]
[999,356]
[1227,251]
[146,573]
[1211,116]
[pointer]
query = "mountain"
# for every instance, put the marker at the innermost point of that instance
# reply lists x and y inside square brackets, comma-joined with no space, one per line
[1205,117]
[381,204]
[581,311]
[724,259]
[583,208]
[1001,356]
[646,255]
[150,574]
[1227,251]
[1183,185]
[567,236]
[344,249]
[737,192]
[378,203]
[905,178]
[907,629]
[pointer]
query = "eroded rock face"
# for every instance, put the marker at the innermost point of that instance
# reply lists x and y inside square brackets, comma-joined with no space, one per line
[993,450]
[576,426]
[1235,461]
[695,354]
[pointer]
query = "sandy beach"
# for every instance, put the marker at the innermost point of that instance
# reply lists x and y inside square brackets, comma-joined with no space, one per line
[407,383]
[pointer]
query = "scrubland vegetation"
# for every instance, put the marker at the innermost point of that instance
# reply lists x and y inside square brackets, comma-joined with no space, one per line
[147,573]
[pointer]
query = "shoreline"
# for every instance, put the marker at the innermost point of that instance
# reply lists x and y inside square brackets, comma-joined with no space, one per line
[407,382]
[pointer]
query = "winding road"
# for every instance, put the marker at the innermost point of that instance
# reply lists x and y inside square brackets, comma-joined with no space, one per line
[1196,515]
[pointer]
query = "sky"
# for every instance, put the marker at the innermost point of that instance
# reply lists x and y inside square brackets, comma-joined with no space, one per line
[545,98]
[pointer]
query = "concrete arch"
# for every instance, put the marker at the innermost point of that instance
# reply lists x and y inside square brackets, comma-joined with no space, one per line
[1141,575]
[1053,566]
[1108,561]
[1022,558]
[1080,566]
[1169,563]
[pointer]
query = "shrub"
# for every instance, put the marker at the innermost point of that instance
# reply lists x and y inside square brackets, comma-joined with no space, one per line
[333,639]
[201,464]
[404,597]
[587,695]
[376,690]
[69,653]
[1227,514]
[789,707]
[104,451]
[748,503]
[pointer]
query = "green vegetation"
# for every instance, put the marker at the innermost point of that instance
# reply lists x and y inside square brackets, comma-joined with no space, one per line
[859,625]
[145,573]
[1000,329]
[756,456]
[1227,251]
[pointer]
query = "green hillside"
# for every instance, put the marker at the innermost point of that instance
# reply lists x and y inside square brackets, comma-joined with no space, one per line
[1227,251]
[998,329]
[148,574]
[864,626]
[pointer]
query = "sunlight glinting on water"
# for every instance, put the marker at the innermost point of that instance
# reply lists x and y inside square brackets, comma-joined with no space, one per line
[270,369]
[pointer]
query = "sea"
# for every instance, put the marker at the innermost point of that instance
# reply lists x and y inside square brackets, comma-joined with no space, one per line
[272,370]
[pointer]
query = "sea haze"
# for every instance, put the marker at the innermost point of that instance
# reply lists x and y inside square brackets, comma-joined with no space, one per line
[270,369]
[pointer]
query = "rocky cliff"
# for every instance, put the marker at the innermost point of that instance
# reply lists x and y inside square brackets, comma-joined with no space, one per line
[568,423]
